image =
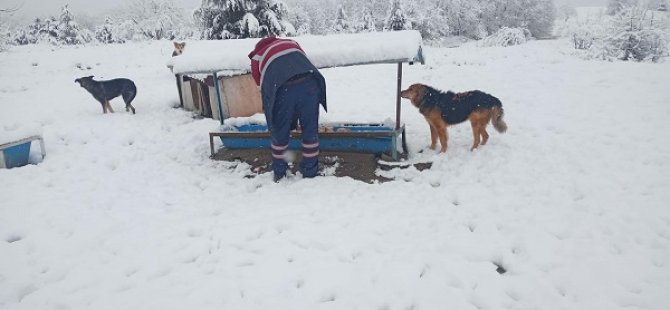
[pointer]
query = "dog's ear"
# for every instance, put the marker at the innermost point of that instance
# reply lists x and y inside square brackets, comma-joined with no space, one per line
[176,45]
[77,81]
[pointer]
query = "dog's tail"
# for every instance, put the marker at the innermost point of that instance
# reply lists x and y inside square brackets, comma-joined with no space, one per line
[497,119]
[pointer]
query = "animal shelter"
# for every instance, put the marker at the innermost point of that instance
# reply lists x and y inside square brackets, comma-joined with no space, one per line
[214,81]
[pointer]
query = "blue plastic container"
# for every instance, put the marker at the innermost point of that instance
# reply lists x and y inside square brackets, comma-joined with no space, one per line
[17,153]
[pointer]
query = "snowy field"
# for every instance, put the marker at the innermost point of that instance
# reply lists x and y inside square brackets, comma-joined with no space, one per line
[128,212]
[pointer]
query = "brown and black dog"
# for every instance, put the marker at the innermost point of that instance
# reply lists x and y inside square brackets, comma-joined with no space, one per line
[442,109]
[178,48]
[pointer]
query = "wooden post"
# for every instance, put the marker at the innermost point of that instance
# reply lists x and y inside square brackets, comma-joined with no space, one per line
[218,96]
[181,98]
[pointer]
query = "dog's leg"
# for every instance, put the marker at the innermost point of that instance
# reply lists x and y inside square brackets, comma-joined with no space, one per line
[475,132]
[132,108]
[109,107]
[444,137]
[482,130]
[104,108]
[433,136]
[485,135]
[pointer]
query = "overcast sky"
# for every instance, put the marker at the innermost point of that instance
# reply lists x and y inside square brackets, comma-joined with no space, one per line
[35,8]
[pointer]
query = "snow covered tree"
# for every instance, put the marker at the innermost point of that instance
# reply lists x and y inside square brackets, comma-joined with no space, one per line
[4,37]
[151,19]
[301,20]
[662,6]
[540,17]
[44,31]
[565,12]
[614,6]
[367,23]
[4,33]
[103,33]
[232,19]
[217,18]
[462,16]
[273,18]
[342,22]
[396,19]
[67,30]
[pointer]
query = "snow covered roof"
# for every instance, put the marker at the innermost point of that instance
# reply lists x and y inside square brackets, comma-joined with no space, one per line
[229,57]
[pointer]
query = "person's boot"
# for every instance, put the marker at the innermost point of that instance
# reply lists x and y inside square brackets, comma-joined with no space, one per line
[276,177]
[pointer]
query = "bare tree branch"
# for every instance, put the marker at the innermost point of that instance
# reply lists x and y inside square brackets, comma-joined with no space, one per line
[12,9]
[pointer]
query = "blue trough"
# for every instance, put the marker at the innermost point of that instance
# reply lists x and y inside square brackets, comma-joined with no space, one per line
[17,153]
[363,138]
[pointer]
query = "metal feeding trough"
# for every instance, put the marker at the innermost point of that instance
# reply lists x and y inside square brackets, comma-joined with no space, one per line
[222,69]
[17,153]
[362,138]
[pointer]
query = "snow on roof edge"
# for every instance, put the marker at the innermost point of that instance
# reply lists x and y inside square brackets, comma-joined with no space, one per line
[229,57]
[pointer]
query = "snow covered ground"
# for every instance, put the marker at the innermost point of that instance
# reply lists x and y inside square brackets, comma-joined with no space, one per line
[128,212]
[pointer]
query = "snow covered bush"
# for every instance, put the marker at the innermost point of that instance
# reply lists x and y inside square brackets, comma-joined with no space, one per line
[632,33]
[105,33]
[233,19]
[63,30]
[507,37]
[38,31]
[637,34]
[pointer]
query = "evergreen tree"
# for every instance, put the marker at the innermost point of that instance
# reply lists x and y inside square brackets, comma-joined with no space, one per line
[367,23]
[272,17]
[104,32]
[396,19]
[341,22]
[232,19]
[45,31]
[67,30]
[302,20]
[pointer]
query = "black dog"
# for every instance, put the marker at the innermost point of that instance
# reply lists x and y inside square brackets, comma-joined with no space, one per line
[103,91]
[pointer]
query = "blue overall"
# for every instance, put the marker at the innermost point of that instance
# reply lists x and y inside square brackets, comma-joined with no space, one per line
[296,100]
